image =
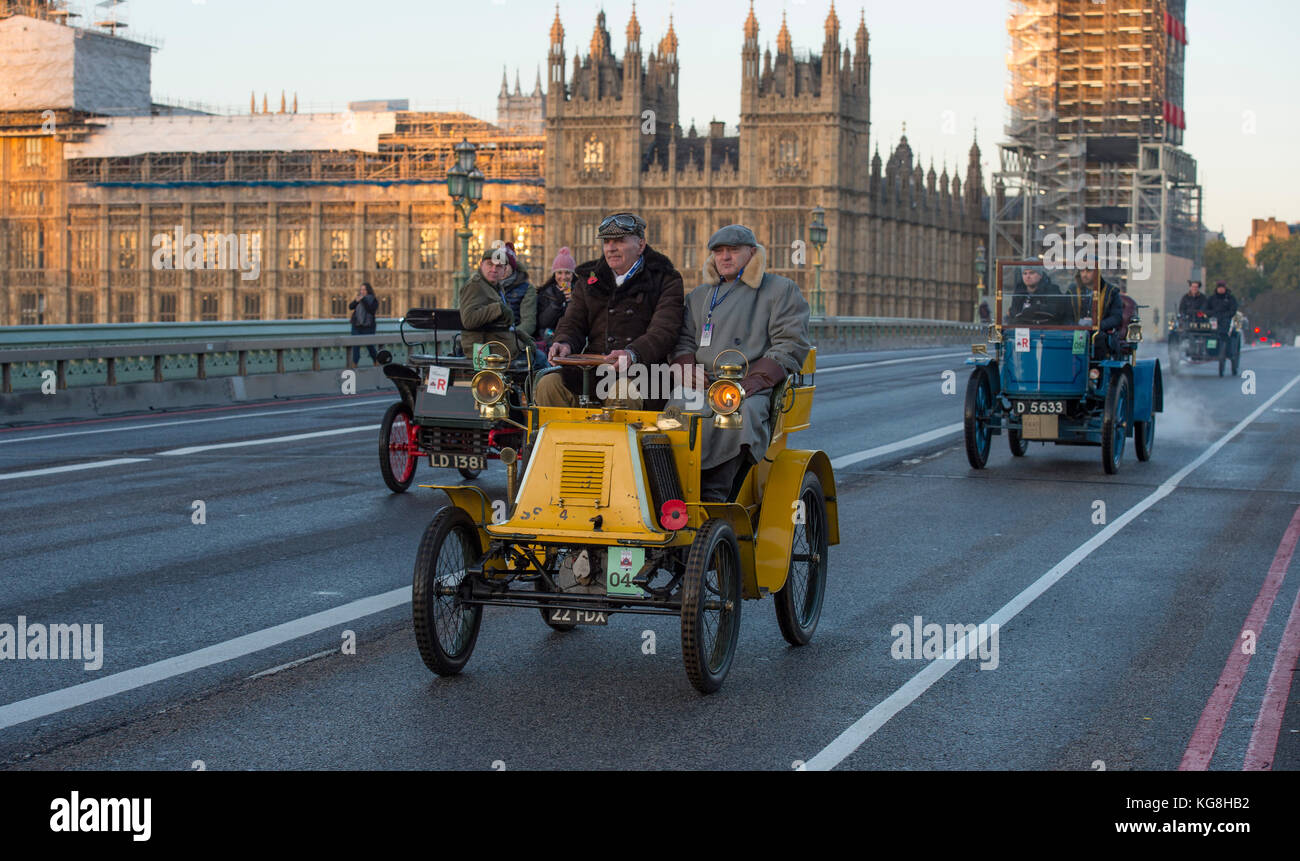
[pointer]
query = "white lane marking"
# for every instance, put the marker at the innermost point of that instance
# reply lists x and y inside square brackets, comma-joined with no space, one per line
[865,727]
[72,467]
[291,664]
[911,442]
[88,692]
[888,362]
[195,449]
[368,402]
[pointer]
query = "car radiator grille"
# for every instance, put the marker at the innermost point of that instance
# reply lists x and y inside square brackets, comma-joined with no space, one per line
[454,440]
[582,474]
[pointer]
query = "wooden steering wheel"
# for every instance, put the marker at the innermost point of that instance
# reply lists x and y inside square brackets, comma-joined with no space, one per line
[581,360]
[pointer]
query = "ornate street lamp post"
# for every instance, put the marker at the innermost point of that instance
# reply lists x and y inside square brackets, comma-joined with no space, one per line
[817,236]
[981,266]
[465,186]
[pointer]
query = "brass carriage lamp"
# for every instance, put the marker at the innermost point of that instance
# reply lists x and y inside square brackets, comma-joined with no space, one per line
[489,389]
[725,397]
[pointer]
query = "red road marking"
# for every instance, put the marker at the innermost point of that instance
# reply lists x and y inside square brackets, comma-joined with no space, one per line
[168,413]
[1205,738]
[1268,726]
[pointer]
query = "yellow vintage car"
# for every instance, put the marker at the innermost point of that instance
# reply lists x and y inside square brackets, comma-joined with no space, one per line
[606,518]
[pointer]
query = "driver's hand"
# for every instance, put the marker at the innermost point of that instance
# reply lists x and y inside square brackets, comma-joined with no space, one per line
[620,359]
[558,350]
[1086,321]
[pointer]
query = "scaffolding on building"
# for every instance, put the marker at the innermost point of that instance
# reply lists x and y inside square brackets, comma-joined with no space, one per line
[1095,101]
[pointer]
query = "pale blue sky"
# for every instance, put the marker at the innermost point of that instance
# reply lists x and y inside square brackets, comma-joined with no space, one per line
[936,66]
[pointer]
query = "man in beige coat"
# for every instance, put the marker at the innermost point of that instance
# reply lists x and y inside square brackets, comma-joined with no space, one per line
[740,306]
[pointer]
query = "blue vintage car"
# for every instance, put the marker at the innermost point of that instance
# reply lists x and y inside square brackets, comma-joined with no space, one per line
[1038,379]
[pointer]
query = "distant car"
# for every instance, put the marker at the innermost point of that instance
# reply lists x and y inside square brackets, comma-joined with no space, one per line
[438,417]
[1037,380]
[1195,338]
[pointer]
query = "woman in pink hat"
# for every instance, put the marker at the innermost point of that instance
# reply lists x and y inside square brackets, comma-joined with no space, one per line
[553,297]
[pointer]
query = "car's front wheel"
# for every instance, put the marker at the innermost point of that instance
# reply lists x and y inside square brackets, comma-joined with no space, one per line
[446,628]
[1114,422]
[978,418]
[711,605]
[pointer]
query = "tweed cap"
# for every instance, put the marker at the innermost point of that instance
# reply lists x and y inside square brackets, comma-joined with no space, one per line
[621,224]
[733,234]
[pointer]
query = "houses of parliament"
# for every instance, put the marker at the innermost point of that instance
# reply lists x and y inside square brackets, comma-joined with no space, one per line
[93,172]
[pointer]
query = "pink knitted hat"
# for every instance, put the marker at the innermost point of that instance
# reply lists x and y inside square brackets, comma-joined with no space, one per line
[564,260]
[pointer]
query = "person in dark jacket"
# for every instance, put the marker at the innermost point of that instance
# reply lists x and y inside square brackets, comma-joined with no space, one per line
[1222,306]
[486,314]
[1193,300]
[627,306]
[1079,298]
[553,298]
[1036,298]
[364,309]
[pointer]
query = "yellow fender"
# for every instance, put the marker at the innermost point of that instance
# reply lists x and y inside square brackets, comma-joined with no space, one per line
[474,502]
[775,537]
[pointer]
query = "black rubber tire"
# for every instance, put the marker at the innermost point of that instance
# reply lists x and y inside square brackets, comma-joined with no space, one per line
[1113,423]
[1236,355]
[1144,438]
[540,586]
[708,653]
[1222,363]
[979,400]
[443,650]
[469,474]
[799,603]
[395,482]
[1018,444]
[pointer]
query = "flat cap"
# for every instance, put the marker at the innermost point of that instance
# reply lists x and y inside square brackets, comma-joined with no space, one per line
[621,224]
[733,234]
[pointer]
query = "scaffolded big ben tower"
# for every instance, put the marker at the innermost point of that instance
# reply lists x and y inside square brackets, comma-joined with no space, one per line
[1094,136]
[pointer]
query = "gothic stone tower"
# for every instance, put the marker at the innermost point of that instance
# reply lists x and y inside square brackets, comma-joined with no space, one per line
[804,128]
[604,123]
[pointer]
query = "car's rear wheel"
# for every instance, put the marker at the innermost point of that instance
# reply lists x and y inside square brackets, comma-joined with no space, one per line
[398,448]
[1144,438]
[1236,354]
[979,407]
[1019,445]
[1114,422]
[446,628]
[799,603]
[711,605]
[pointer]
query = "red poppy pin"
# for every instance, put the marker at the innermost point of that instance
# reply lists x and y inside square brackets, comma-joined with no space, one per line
[592,279]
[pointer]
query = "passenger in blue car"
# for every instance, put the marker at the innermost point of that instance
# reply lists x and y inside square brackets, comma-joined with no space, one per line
[1079,296]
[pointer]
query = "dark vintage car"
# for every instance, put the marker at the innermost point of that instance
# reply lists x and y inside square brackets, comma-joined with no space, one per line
[438,417]
[1195,338]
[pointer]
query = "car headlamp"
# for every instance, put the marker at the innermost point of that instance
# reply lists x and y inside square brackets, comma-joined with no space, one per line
[488,388]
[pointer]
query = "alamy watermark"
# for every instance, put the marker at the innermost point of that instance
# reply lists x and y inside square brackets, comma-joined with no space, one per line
[56,642]
[1131,252]
[650,382]
[931,641]
[180,250]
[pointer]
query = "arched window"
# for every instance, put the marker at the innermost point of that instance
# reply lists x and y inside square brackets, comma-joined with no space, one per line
[593,154]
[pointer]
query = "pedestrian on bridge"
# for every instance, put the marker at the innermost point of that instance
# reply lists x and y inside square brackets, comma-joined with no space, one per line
[364,309]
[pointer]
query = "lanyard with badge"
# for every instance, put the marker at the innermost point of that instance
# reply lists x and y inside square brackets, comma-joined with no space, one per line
[706,336]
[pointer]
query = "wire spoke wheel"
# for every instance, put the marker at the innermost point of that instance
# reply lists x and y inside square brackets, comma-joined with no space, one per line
[1114,423]
[711,605]
[799,603]
[977,426]
[398,448]
[446,628]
